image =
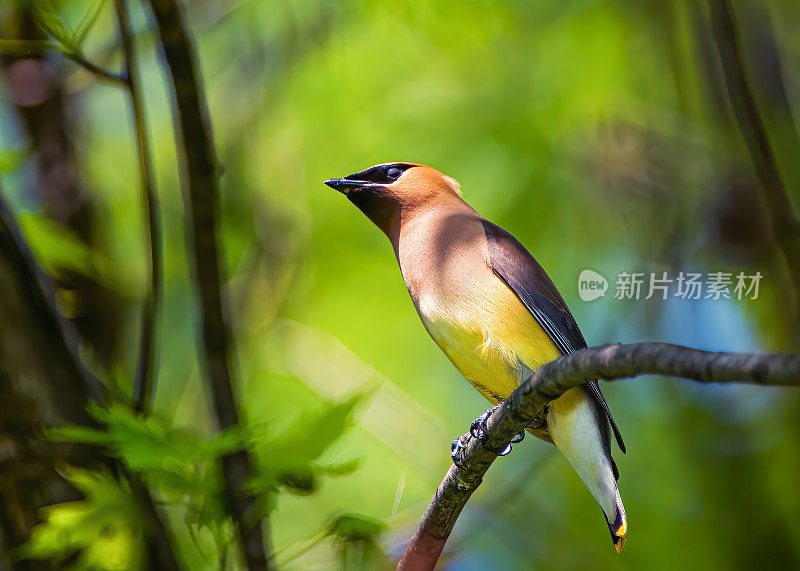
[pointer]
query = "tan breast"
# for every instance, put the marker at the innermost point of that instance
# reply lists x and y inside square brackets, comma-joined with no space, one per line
[469,312]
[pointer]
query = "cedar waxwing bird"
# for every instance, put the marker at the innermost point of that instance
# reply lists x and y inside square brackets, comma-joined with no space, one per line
[491,308]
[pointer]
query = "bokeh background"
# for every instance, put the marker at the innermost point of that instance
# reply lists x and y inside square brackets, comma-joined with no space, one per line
[598,132]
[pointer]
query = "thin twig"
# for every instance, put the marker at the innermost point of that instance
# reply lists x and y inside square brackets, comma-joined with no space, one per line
[33,48]
[785,226]
[97,71]
[145,381]
[202,186]
[529,401]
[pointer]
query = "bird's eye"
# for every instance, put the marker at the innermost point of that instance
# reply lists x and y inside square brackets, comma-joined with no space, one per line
[394,173]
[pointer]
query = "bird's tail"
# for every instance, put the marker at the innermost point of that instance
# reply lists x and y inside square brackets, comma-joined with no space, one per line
[619,525]
[576,426]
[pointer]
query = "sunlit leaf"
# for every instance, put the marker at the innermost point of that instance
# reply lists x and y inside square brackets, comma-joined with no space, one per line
[147,444]
[54,247]
[287,458]
[341,469]
[11,159]
[301,482]
[356,527]
[183,466]
[48,19]
[87,22]
[104,530]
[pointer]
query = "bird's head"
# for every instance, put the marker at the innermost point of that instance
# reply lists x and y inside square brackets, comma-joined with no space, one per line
[387,191]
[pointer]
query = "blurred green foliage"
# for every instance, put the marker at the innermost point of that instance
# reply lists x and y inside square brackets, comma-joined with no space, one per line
[596,131]
[183,468]
[103,529]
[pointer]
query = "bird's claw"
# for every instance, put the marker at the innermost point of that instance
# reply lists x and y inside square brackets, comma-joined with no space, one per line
[516,440]
[478,430]
[457,449]
[478,427]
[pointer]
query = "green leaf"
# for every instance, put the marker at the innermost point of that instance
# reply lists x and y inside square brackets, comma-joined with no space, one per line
[286,459]
[341,469]
[104,530]
[208,508]
[87,22]
[356,527]
[148,444]
[300,482]
[80,434]
[176,462]
[11,159]
[49,20]
[54,247]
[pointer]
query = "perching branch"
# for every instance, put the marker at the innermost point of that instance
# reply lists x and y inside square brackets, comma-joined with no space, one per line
[529,401]
[202,187]
[785,226]
[144,383]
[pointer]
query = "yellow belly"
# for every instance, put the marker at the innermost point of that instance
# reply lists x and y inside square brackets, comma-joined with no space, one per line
[489,335]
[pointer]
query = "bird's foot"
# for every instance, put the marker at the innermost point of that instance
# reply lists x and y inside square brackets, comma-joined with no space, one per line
[478,430]
[457,449]
[478,427]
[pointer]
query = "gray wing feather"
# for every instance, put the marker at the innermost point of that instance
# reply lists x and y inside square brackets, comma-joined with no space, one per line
[512,263]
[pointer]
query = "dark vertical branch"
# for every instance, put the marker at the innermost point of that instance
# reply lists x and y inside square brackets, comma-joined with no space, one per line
[785,227]
[145,381]
[46,390]
[35,87]
[159,546]
[202,187]
[62,367]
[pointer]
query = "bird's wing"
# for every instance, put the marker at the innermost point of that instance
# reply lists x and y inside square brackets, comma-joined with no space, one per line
[527,279]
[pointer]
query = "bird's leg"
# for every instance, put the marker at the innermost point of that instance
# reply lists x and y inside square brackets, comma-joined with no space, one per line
[478,430]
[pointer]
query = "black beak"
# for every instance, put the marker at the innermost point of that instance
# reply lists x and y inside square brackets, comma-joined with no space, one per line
[344,185]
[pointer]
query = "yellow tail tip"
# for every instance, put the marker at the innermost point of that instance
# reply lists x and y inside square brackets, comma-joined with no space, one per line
[619,542]
[619,528]
[622,530]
